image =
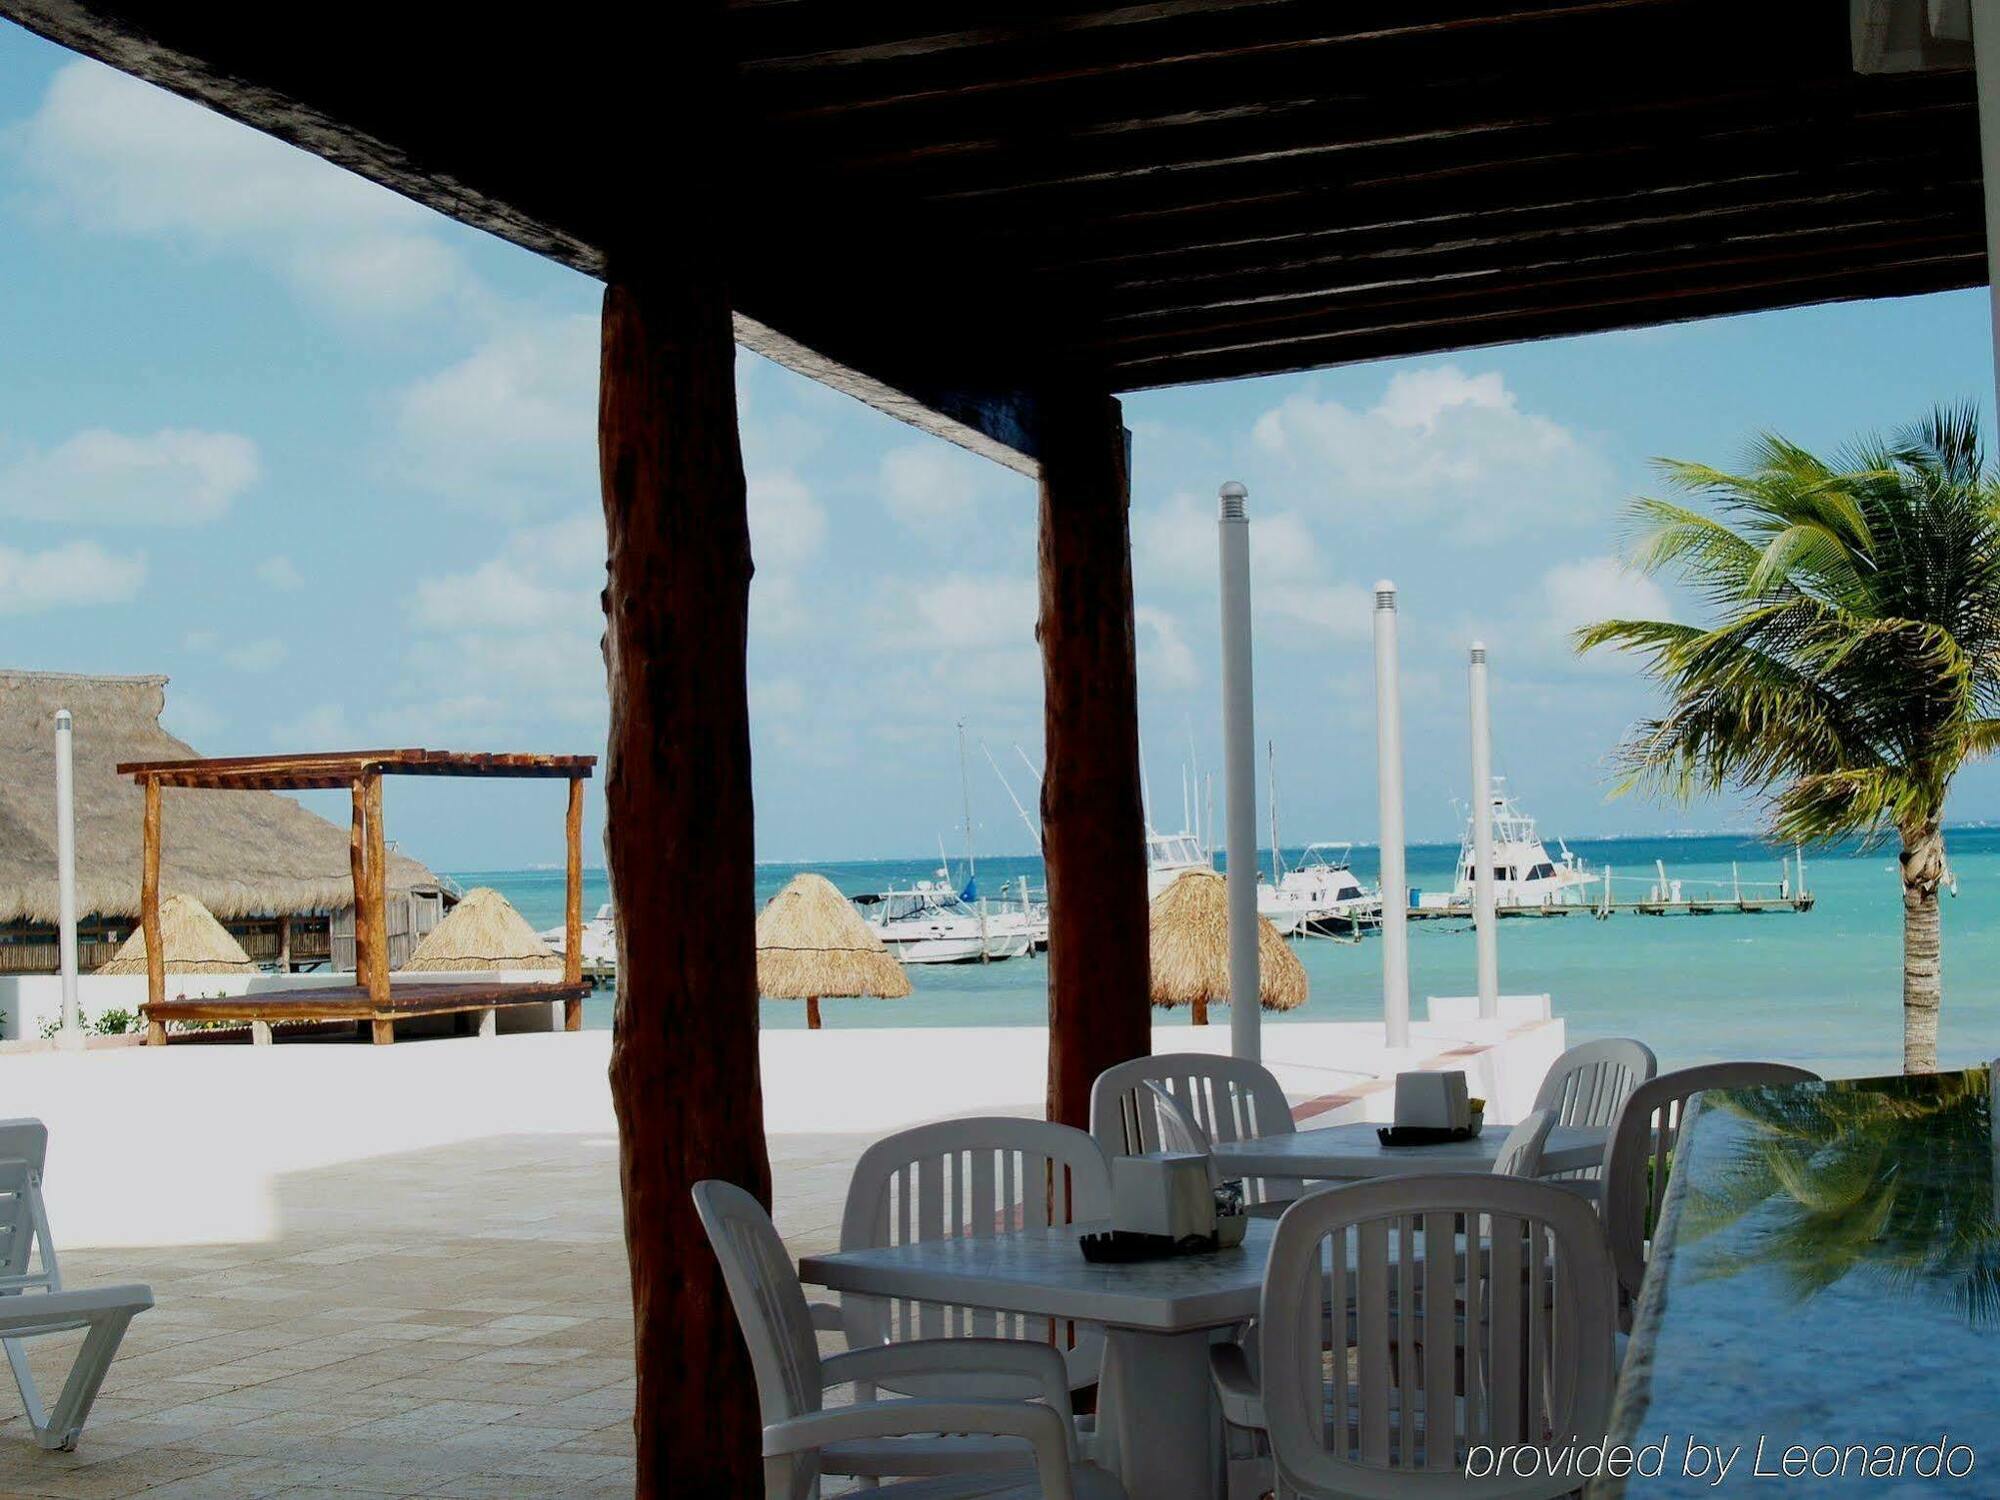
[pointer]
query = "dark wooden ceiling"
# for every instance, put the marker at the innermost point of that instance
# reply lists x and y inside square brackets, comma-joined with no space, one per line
[941,205]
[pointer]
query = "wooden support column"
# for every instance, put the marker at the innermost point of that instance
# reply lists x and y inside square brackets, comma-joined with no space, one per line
[684,1068]
[149,910]
[573,905]
[1093,826]
[375,901]
[284,944]
[357,869]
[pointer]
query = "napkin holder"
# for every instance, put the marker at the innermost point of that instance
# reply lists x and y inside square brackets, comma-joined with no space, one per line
[1433,1101]
[1163,1193]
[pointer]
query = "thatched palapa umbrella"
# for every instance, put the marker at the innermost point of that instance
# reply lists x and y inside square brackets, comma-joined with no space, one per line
[811,943]
[194,943]
[1190,950]
[482,932]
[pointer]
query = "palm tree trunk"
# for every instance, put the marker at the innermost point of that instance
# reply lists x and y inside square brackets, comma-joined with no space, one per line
[1922,861]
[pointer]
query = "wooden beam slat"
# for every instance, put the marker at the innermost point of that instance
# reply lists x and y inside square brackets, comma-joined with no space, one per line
[1230,311]
[1477,328]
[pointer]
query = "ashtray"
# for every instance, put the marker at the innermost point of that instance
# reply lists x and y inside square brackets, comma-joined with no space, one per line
[1426,1135]
[1123,1246]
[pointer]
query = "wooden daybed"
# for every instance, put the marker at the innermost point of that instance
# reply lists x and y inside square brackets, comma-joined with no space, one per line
[372,998]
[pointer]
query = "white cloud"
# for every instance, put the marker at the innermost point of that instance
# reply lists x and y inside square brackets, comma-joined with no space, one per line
[509,641]
[1175,550]
[263,655]
[114,154]
[1334,611]
[173,477]
[323,726]
[76,573]
[1164,656]
[967,610]
[787,523]
[511,429]
[281,573]
[191,718]
[930,487]
[1589,589]
[1439,445]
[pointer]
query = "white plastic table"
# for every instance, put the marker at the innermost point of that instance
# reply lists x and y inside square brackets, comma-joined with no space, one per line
[1157,1427]
[1352,1152]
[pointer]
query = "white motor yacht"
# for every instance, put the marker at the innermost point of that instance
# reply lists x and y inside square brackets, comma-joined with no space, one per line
[1325,893]
[930,923]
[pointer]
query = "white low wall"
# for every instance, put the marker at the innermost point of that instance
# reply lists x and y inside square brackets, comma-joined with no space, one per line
[191,1144]
[28,1002]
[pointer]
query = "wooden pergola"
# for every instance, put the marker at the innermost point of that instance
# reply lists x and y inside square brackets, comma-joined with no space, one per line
[989,220]
[371,999]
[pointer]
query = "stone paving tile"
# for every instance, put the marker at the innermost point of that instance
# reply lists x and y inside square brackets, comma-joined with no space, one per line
[453,1324]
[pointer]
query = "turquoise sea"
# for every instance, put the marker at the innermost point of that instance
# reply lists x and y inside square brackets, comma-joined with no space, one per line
[1823,988]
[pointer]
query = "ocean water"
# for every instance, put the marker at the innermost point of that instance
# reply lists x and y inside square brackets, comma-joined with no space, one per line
[1823,988]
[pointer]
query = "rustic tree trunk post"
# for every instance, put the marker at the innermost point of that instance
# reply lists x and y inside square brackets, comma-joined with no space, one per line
[1923,870]
[149,910]
[284,943]
[1093,827]
[573,904]
[684,1064]
[357,869]
[812,1013]
[375,900]
[1200,1016]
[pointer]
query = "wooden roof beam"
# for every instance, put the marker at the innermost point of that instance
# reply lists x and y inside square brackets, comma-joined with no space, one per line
[1509,320]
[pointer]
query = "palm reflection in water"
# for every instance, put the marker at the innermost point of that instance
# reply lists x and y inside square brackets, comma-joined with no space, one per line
[1890,1179]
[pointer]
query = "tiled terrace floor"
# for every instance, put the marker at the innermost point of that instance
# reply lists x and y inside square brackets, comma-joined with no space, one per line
[450,1323]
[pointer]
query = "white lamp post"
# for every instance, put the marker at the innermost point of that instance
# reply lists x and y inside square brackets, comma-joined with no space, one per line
[1239,774]
[1389,787]
[72,1013]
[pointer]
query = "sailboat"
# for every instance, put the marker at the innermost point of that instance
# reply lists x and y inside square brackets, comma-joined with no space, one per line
[937,922]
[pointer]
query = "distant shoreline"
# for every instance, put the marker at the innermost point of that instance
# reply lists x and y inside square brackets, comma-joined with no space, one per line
[1845,847]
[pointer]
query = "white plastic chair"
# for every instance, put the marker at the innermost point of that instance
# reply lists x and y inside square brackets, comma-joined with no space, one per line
[1588,1084]
[1385,1404]
[975,1178]
[1639,1154]
[1231,1098]
[803,1437]
[1521,1153]
[34,1303]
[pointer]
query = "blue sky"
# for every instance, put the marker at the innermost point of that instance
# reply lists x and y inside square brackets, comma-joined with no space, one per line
[327,460]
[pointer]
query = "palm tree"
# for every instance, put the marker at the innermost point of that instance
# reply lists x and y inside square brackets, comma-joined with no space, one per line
[1854,665]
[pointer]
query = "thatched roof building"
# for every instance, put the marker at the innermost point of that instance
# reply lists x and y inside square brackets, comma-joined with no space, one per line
[194,942]
[1190,950]
[812,944]
[482,932]
[240,854]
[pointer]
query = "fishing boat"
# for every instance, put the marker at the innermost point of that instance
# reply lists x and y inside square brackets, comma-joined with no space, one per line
[1526,877]
[1324,893]
[930,923]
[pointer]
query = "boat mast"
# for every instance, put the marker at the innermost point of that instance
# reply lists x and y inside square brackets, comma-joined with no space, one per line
[965,790]
[1034,829]
[1271,759]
